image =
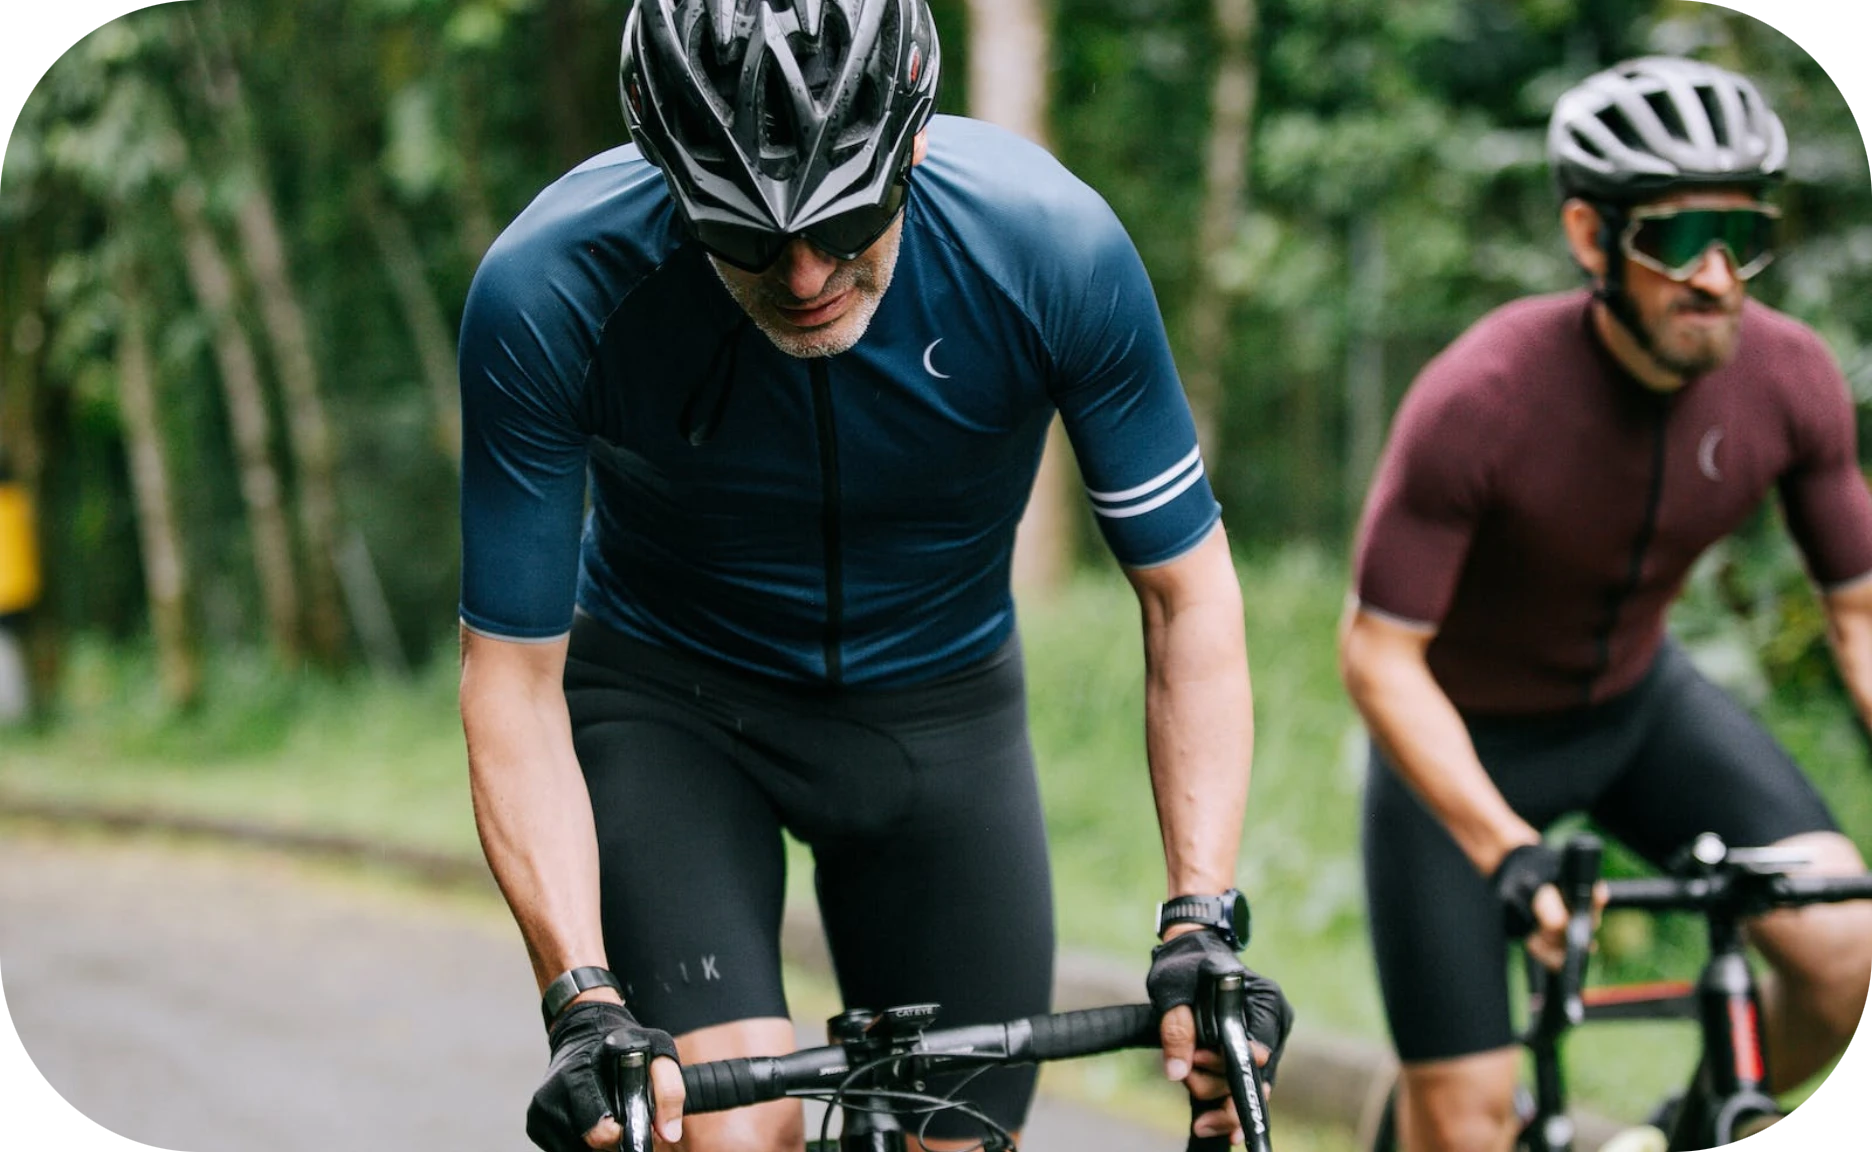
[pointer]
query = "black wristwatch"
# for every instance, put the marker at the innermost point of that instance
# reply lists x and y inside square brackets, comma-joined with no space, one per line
[1227,914]
[567,985]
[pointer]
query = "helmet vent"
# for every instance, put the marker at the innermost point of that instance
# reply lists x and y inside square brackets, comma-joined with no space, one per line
[779,135]
[1666,110]
[1712,107]
[867,107]
[1615,120]
[1588,145]
[822,57]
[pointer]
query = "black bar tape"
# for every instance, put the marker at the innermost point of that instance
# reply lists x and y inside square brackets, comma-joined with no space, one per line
[1094,1030]
[1825,889]
[723,1084]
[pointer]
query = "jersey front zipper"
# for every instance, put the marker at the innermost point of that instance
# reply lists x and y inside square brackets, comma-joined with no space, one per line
[829,517]
[1616,602]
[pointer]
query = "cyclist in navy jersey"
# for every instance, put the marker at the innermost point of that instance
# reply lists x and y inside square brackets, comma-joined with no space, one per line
[800,343]
[1549,480]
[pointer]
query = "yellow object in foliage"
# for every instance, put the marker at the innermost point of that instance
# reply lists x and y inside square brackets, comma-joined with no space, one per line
[19,551]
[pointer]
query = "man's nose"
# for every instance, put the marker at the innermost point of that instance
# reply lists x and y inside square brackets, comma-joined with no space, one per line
[1715,275]
[803,270]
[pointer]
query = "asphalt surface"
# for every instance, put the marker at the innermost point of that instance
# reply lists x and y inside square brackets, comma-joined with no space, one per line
[221,1001]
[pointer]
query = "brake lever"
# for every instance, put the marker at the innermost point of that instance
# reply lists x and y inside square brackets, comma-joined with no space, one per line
[1222,1026]
[1579,875]
[631,1102]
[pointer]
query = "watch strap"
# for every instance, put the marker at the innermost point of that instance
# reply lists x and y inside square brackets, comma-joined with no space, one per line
[1215,912]
[567,985]
[1189,909]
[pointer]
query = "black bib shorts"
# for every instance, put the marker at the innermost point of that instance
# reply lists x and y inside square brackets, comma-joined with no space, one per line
[920,806]
[1672,758]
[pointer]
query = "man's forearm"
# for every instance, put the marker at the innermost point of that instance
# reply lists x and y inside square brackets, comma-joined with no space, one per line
[1849,630]
[1425,739]
[534,818]
[1198,715]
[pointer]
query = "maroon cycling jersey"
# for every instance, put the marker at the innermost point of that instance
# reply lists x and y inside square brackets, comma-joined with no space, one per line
[1540,508]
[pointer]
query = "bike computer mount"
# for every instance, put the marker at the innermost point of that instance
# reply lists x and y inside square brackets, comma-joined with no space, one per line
[1709,851]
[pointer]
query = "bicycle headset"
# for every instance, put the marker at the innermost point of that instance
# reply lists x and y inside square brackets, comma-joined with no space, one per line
[772,119]
[1654,125]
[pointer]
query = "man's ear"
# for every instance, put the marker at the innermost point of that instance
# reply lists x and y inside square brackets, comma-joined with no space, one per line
[919,147]
[1581,222]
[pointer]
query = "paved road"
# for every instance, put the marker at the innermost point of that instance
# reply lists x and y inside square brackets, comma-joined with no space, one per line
[215,1001]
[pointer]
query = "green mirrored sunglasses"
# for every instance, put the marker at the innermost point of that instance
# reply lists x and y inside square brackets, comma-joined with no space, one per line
[1673,241]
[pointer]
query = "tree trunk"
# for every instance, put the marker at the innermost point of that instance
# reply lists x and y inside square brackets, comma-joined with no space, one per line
[567,95]
[1365,367]
[423,315]
[1225,195]
[475,227]
[213,283]
[1009,58]
[23,421]
[165,570]
[308,430]
[22,337]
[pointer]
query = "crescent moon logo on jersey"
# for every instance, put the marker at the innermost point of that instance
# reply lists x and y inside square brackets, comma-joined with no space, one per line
[930,365]
[1706,454]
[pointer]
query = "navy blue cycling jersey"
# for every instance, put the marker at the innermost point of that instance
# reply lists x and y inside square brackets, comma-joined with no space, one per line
[846,519]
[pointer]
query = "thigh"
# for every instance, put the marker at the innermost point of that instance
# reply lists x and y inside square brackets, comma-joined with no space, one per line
[1706,765]
[691,866]
[1436,929]
[953,905]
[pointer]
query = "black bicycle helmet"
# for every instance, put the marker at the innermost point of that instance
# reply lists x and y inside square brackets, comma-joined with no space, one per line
[775,114]
[1659,123]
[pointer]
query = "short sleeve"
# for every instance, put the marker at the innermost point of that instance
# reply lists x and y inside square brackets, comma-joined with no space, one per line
[1117,390]
[523,458]
[1829,511]
[1425,502]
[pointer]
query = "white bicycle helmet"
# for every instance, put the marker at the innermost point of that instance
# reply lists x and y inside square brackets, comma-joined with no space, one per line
[1660,122]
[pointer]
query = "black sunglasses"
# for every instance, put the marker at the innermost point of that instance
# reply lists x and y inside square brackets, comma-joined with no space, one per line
[1674,241]
[844,236]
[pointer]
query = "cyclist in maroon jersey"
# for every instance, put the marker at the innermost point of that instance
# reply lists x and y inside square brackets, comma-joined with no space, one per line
[1549,480]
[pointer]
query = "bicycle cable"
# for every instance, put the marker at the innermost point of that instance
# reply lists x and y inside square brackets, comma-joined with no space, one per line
[888,1101]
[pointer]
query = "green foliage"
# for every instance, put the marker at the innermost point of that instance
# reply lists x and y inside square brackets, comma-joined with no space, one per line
[1420,124]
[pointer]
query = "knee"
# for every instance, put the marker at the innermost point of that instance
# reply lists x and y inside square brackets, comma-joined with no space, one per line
[1465,1105]
[1824,949]
[779,1126]
[1827,951]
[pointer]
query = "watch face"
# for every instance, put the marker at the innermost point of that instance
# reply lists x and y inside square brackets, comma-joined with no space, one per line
[1235,907]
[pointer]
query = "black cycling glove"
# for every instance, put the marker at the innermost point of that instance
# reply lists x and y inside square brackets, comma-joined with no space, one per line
[1179,967]
[1523,872]
[574,1097]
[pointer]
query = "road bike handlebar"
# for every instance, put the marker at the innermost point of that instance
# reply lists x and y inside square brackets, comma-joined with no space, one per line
[910,1053]
[1735,882]
[1768,890]
[723,1084]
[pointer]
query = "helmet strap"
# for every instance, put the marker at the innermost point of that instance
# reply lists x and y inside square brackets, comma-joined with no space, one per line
[1610,290]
